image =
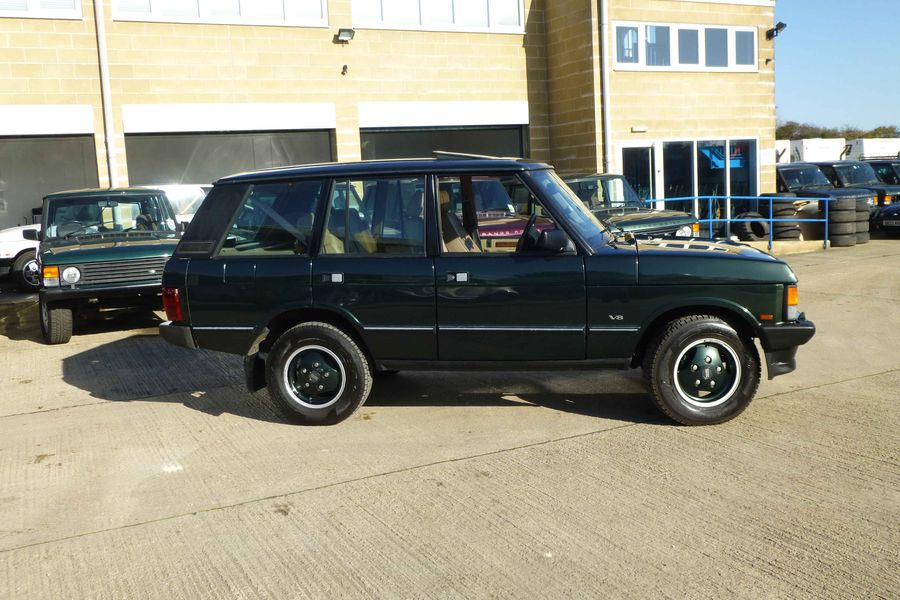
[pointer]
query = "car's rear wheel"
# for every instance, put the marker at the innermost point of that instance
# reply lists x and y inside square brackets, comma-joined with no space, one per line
[56,323]
[700,371]
[26,273]
[317,374]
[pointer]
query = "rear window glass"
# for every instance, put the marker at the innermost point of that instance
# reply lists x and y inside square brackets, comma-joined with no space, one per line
[212,218]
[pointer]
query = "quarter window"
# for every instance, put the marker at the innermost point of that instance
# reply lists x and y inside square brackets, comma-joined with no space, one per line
[376,216]
[275,219]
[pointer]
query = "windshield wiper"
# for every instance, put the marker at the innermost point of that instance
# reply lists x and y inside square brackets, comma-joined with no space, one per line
[80,230]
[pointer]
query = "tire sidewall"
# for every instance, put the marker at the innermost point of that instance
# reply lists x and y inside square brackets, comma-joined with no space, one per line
[668,352]
[357,378]
[19,266]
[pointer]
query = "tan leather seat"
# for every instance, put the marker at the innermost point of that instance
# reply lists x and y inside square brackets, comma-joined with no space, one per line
[454,237]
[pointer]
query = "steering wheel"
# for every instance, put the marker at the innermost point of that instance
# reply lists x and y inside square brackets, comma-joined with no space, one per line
[528,237]
[69,228]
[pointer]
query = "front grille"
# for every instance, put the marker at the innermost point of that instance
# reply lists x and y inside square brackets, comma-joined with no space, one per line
[123,271]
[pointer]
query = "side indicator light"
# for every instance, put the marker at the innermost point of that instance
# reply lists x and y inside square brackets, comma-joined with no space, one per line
[766,317]
[793,295]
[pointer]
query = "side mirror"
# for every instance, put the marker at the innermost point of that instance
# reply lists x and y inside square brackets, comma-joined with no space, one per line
[555,241]
[32,234]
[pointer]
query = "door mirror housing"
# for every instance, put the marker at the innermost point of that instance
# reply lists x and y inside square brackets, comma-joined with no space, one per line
[555,241]
[32,234]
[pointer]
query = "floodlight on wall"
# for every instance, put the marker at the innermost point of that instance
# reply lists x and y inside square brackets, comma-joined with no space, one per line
[773,33]
[344,35]
[639,129]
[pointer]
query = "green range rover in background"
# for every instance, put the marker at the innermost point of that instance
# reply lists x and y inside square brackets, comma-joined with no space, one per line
[612,200]
[324,277]
[101,249]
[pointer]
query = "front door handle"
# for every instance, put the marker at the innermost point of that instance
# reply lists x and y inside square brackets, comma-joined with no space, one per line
[458,277]
[333,277]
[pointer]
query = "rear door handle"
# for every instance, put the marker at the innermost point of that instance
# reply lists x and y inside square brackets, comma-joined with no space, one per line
[333,277]
[458,277]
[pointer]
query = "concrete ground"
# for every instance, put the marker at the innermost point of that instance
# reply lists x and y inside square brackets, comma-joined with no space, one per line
[134,469]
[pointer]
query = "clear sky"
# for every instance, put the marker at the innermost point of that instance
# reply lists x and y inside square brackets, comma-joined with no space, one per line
[838,62]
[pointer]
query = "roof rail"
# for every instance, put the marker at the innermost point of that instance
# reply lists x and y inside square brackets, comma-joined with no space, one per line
[449,155]
[881,157]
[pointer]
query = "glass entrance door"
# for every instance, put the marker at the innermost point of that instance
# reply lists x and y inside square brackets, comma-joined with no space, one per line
[638,167]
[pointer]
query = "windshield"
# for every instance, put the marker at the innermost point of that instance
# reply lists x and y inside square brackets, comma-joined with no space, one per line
[568,206]
[90,215]
[605,193]
[796,178]
[856,174]
[186,199]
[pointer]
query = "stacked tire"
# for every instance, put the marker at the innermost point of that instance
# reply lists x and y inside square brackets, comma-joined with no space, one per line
[784,230]
[862,220]
[755,230]
[842,216]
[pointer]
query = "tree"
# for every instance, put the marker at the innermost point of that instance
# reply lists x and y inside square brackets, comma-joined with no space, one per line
[792,130]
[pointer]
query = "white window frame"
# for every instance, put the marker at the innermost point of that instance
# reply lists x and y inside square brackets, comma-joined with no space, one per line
[493,27]
[156,16]
[674,57]
[769,3]
[34,11]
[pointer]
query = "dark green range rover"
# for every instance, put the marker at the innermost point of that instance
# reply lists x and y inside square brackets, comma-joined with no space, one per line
[102,249]
[323,275]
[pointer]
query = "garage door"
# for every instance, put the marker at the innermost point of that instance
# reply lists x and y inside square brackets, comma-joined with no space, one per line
[32,167]
[421,142]
[156,159]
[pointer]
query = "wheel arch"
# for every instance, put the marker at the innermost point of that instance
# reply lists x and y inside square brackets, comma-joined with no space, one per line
[735,315]
[277,325]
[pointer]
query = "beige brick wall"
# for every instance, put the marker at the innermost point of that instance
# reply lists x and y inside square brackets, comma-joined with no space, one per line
[683,105]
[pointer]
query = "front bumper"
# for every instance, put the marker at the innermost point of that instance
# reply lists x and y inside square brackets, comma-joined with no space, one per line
[780,343]
[178,335]
[55,294]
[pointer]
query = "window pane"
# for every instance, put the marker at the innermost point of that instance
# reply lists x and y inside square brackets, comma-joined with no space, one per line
[506,13]
[13,4]
[276,218]
[306,10]
[471,13]
[657,46]
[134,6]
[263,9]
[415,142]
[716,47]
[58,4]
[376,216]
[437,12]
[744,47]
[678,178]
[401,12]
[211,220]
[368,11]
[223,8]
[626,44]
[742,161]
[179,8]
[711,176]
[688,47]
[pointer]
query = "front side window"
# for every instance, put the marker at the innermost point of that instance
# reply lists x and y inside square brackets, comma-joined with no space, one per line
[82,217]
[274,219]
[486,214]
[376,217]
[889,173]
[856,174]
[627,44]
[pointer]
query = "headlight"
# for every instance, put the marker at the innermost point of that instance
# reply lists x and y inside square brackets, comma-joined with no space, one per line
[71,275]
[685,231]
[50,276]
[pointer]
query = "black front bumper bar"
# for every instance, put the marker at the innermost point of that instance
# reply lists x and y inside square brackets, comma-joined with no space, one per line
[780,343]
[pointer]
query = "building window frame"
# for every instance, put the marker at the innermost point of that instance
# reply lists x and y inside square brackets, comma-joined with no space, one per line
[206,16]
[494,25]
[33,10]
[676,65]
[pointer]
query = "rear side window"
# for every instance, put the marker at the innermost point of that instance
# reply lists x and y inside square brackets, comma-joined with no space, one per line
[376,216]
[274,219]
[208,225]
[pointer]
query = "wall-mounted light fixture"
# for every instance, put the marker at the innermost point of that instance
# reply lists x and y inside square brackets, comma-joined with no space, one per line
[344,35]
[771,34]
[639,129]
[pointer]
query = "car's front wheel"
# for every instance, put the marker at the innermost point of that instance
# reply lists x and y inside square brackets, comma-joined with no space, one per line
[56,323]
[700,371]
[317,374]
[26,272]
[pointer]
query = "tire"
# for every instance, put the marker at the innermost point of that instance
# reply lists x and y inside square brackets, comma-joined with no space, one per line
[863,238]
[790,234]
[323,358]
[841,216]
[842,241]
[56,323]
[862,227]
[680,354]
[862,204]
[841,228]
[753,231]
[863,215]
[26,273]
[838,204]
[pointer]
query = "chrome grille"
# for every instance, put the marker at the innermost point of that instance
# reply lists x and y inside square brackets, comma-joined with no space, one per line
[123,271]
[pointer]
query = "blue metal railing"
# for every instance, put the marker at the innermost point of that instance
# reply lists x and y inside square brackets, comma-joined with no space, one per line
[696,202]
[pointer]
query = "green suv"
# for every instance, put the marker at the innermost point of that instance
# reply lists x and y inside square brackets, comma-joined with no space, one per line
[101,249]
[326,276]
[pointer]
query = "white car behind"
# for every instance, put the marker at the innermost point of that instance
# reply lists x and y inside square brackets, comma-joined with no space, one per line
[18,257]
